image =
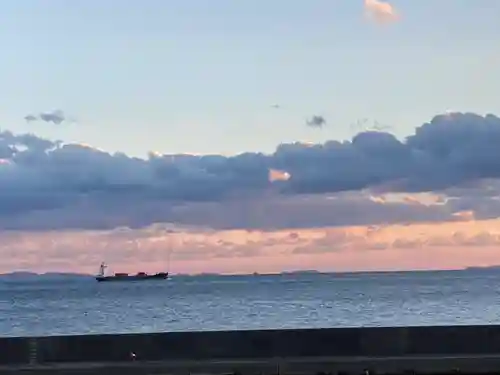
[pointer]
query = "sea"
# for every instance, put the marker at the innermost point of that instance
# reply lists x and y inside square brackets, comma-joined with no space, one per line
[37,307]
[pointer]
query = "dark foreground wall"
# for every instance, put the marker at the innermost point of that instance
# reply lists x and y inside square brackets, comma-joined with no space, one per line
[343,342]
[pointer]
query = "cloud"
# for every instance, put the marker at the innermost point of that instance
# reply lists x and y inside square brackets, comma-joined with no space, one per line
[196,250]
[341,209]
[276,175]
[381,12]
[316,122]
[56,117]
[30,118]
[51,184]
[464,215]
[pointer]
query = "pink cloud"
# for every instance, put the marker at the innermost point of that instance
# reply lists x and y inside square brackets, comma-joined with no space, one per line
[381,12]
[416,246]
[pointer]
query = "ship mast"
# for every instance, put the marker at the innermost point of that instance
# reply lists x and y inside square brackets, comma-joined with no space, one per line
[102,269]
[169,248]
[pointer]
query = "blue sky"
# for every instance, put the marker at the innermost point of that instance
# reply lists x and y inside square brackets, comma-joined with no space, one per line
[198,76]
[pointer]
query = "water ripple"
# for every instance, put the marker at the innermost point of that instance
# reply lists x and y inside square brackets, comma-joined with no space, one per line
[251,302]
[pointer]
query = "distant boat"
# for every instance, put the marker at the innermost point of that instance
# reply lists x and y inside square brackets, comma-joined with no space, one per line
[141,276]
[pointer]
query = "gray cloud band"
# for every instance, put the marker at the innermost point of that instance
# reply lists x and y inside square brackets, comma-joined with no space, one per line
[39,177]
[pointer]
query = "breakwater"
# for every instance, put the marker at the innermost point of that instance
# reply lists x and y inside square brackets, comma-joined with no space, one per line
[475,348]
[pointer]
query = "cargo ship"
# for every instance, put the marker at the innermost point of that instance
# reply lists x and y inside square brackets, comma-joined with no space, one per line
[140,276]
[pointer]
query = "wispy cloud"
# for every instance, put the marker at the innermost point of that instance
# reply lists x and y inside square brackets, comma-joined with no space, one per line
[381,12]
[418,246]
[56,117]
[316,121]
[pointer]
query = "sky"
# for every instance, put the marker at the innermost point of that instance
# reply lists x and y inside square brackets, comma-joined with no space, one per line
[249,136]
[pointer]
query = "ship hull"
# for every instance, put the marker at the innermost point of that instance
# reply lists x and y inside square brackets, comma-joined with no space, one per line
[158,276]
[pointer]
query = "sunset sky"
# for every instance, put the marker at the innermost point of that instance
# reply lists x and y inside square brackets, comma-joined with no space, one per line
[249,136]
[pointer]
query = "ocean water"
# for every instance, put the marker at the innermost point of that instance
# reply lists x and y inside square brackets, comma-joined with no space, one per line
[249,302]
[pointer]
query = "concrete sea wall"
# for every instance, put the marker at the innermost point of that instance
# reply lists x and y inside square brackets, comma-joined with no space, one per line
[335,342]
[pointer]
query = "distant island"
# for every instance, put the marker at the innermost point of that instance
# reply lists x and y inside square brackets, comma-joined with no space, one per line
[477,268]
[19,276]
[28,276]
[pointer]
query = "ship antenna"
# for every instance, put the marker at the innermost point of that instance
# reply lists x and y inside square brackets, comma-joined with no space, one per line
[102,269]
[169,250]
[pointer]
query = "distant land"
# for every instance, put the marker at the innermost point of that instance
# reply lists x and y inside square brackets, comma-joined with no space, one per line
[476,268]
[29,276]
[60,276]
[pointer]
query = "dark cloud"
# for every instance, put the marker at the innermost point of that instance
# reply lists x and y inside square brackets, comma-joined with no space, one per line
[450,150]
[316,121]
[48,184]
[56,117]
[274,213]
